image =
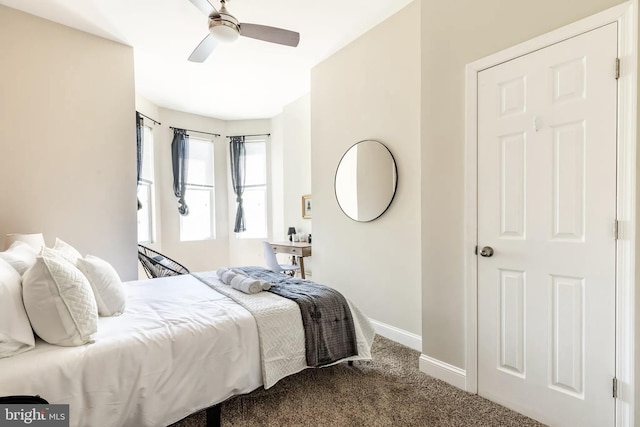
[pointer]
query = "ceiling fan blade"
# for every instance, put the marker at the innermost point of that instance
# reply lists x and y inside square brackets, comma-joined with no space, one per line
[270,34]
[204,5]
[204,49]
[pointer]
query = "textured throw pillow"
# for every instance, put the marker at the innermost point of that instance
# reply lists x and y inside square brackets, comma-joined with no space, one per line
[106,284]
[20,256]
[67,251]
[16,335]
[59,301]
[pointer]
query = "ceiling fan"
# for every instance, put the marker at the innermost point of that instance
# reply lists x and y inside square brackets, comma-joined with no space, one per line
[224,27]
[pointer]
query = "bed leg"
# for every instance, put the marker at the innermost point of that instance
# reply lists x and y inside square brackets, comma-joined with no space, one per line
[350,362]
[213,416]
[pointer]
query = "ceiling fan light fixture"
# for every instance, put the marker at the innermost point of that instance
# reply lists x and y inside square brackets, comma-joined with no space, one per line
[224,31]
[223,26]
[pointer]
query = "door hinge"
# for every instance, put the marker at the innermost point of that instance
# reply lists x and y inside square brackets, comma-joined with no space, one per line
[616,230]
[617,68]
[615,388]
[476,250]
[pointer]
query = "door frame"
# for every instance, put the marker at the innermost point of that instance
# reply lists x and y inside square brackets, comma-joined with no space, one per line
[625,15]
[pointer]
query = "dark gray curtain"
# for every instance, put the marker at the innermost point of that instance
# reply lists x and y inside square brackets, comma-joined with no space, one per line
[238,166]
[139,136]
[180,160]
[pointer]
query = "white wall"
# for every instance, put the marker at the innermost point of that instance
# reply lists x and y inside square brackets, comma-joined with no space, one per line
[67,138]
[371,90]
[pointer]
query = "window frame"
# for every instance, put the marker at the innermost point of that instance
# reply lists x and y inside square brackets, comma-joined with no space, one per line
[150,184]
[265,189]
[212,197]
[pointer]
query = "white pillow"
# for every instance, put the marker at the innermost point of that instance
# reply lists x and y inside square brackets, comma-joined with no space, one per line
[106,284]
[20,256]
[67,251]
[59,301]
[16,335]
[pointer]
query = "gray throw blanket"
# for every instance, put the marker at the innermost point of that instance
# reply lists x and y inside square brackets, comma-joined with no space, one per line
[328,325]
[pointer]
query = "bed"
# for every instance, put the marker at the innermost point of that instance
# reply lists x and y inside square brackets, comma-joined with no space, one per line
[184,343]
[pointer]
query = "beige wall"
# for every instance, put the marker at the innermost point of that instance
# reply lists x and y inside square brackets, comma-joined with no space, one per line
[297,164]
[412,99]
[276,178]
[371,90]
[454,33]
[67,138]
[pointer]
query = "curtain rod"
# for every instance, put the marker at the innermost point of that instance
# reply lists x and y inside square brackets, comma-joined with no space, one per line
[199,131]
[259,134]
[154,121]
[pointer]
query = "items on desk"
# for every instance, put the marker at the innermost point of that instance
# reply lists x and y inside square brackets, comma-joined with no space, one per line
[297,237]
[291,233]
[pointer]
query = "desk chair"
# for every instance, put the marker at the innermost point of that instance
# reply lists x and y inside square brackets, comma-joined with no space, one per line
[274,265]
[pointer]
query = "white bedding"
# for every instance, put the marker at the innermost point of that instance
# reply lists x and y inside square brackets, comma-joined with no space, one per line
[154,365]
[159,362]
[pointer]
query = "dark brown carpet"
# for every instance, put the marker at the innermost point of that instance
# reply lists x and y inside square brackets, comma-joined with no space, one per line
[388,391]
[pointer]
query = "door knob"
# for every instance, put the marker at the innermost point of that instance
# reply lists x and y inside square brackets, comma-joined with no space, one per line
[487,251]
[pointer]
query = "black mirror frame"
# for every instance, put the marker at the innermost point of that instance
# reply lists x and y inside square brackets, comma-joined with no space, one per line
[395,188]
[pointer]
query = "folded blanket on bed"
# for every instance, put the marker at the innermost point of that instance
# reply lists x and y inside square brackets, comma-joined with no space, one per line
[328,324]
[282,334]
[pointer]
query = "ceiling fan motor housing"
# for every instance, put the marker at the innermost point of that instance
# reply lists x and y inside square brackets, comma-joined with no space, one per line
[224,26]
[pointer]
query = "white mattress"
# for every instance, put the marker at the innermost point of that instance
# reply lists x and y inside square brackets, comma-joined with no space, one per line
[153,365]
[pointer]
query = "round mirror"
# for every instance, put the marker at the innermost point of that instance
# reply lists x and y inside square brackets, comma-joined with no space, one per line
[366,180]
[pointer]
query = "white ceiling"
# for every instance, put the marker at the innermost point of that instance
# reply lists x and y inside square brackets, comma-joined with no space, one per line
[246,79]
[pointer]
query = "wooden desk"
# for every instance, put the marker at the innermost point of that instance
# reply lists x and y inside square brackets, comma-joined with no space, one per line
[297,249]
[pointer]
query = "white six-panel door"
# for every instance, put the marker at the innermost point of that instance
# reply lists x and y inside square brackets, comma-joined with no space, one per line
[547,208]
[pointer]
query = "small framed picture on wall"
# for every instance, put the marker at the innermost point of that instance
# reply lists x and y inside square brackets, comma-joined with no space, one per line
[306,206]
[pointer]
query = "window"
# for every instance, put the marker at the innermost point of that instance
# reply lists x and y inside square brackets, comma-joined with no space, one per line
[200,193]
[255,193]
[146,193]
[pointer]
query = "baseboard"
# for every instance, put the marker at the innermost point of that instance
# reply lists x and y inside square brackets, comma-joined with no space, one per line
[443,371]
[430,366]
[398,335]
